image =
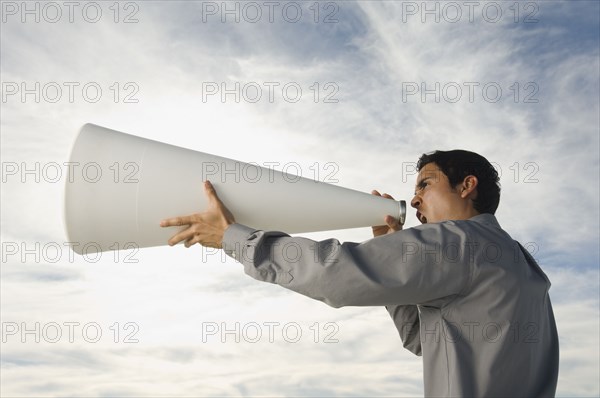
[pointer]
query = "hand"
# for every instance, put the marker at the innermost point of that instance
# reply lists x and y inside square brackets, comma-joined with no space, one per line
[206,228]
[392,225]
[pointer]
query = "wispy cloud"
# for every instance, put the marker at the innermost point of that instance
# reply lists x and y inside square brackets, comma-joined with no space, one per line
[173,300]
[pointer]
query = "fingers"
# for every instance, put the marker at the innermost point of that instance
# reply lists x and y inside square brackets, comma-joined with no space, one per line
[192,240]
[206,228]
[391,224]
[385,195]
[192,235]
[182,235]
[176,221]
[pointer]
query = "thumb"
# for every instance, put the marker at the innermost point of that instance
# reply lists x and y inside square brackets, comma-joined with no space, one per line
[209,189]
[392,223]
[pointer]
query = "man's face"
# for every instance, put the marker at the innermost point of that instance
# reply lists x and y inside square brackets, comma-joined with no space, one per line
[435,200]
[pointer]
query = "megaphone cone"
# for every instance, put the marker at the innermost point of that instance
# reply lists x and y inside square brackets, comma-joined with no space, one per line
[120,186]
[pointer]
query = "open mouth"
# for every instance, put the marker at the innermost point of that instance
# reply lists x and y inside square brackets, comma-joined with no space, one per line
[421,218]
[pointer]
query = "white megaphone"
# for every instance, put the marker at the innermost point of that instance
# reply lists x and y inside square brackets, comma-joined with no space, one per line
[120,187]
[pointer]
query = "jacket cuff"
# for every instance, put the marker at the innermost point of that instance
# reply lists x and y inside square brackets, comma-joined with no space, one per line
[234,240]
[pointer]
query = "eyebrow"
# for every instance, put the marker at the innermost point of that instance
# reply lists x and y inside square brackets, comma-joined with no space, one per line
[420,183]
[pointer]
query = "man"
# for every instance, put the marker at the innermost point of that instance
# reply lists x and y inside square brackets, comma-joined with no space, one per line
[462,293]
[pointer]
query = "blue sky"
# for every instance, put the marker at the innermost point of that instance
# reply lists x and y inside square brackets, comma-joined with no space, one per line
[172,300]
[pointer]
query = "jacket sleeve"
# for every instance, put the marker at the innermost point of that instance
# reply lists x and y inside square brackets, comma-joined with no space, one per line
[425,264]
[406,319]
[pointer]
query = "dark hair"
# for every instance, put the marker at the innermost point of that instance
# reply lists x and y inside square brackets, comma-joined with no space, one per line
[458,164]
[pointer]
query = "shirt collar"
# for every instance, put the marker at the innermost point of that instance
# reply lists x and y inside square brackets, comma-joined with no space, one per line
[486,218]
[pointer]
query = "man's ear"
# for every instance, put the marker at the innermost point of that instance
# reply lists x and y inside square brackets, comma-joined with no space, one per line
[468,186]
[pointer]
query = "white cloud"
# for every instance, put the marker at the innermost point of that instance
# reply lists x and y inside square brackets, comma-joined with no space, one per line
[172,294]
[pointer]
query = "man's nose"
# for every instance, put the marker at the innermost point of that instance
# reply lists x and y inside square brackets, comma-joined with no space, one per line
[415,202]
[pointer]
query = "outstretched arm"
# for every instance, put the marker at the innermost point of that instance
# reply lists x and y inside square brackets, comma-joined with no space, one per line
[392,269]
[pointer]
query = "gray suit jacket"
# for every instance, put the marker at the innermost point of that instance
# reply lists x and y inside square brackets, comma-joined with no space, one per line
[463,294]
